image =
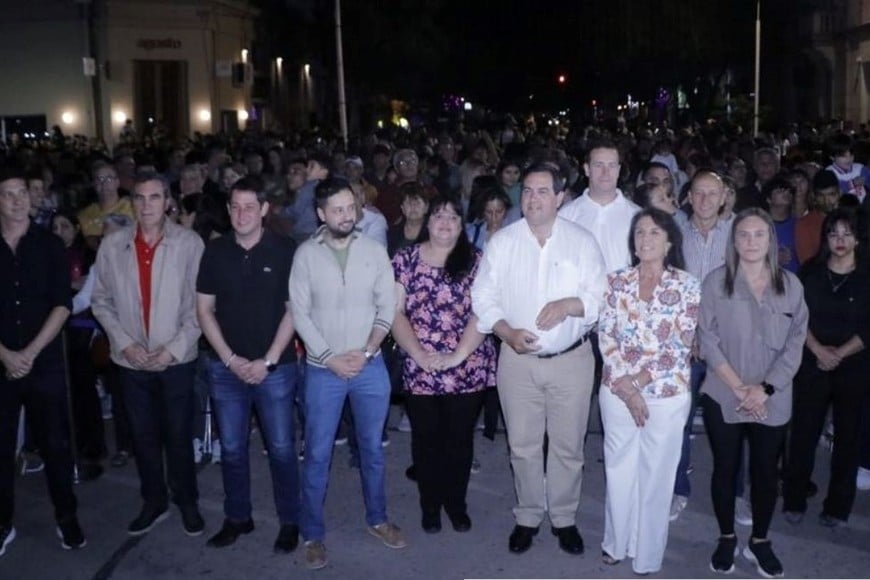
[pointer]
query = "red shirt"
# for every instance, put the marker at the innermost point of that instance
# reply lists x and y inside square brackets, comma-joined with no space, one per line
[144,258]
[808,235]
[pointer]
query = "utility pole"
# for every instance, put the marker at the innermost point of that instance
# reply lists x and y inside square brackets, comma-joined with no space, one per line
[342,104]
[757,65]
[90,18]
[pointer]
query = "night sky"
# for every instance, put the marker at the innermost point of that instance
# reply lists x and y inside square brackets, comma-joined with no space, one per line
[500,52]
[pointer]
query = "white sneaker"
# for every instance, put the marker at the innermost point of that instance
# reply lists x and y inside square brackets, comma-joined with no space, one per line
[197,450]
[827,438]
[742,512]
[863,479]
[216,451]
[678,504]
[404,425]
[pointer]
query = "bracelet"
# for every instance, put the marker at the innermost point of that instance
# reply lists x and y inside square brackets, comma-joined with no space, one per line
[230,360]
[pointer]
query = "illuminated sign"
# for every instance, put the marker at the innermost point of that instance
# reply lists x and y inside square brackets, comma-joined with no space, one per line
[152,43]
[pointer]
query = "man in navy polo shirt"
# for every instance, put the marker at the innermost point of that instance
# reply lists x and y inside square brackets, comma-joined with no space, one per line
[242,303]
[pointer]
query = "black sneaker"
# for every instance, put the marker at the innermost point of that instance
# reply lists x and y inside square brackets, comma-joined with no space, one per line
[761,554]
[722,561]
[120,458]
[70,534]
[7,534]
[148,518]
[191,520]
[230,532]
[90,471]
[287,540]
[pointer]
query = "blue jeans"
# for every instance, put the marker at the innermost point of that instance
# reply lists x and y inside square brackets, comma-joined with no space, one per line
[160,411]
[325,392]
[682,485]
[273,400]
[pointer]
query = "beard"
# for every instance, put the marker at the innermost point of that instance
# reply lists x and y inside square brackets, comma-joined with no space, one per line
[341,232]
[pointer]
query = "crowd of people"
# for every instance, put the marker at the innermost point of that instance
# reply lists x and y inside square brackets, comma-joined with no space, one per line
[526,273]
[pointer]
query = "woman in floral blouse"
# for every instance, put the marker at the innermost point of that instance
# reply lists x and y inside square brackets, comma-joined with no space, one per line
[646,331]
[449,362]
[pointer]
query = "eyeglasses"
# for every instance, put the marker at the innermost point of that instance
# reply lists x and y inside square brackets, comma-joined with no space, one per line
[409,161]
[104,179]
[840,235]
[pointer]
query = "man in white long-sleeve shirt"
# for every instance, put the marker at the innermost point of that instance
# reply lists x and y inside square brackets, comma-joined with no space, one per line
[539,289]
[602,208]
[607,213]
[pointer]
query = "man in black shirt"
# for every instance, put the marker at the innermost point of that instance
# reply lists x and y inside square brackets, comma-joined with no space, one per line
[34,304]
[242,303]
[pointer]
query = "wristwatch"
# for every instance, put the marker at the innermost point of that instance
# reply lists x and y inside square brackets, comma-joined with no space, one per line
[768,389]
[270,366]
[369,356]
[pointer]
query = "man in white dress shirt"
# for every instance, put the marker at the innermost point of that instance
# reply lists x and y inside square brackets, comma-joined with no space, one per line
[539,288]
[606,212]
[602,208]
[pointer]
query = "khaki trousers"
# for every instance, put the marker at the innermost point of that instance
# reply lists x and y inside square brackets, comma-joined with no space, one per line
[546,396]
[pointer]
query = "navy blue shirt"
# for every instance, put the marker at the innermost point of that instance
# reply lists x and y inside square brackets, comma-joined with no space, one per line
[33,281]
[250,289]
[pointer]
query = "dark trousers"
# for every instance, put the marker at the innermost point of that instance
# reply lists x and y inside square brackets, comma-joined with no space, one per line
[865,434]
[44,395]
[442,448]
[112,383]
[87,413]
[726,442]
[844,389]
[682,484]
[160,409]
[491,412]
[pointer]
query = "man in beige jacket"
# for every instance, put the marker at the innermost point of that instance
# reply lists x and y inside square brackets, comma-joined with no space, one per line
[145,299]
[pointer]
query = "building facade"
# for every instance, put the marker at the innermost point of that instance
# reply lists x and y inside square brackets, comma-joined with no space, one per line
[836,61]
[93,67]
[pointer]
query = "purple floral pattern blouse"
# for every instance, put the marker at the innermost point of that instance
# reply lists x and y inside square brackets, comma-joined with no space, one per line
[655,336]
[439,311]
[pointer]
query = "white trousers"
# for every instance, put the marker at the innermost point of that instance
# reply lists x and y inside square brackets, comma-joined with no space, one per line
[641,465]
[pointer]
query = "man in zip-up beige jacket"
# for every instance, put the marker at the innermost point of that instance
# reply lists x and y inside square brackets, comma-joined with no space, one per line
[145,299]
[343,300]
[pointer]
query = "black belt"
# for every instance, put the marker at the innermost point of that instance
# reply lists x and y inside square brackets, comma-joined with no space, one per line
[577,344]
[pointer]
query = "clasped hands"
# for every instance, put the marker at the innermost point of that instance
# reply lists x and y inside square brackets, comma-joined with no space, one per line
[552,314]
[752,401]
[143,360]
[436,362]
[18,364]
[347,365]
[828,357]
[251,372]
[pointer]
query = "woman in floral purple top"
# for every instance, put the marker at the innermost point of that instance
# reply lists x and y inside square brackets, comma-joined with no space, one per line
[449,363]
[646,330]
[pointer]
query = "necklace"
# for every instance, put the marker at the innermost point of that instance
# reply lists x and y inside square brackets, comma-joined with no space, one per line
[837,285]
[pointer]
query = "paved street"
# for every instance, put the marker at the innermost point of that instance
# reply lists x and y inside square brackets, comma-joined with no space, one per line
[107,506]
